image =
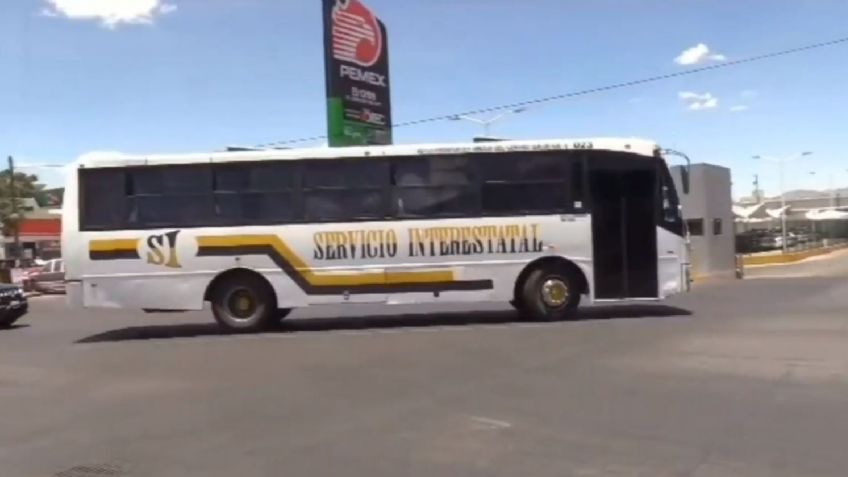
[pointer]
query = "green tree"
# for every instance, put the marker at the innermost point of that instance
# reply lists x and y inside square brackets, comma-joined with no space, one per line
[26,186]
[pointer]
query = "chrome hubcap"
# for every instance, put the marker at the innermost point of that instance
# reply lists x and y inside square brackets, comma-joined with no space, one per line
[241,304]
[555,292]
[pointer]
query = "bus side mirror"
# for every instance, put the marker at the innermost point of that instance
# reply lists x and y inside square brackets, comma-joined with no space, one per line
[684,179]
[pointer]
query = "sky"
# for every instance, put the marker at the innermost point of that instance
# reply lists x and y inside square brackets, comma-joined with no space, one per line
[153,76]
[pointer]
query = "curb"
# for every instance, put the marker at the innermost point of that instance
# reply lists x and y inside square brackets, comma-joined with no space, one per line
[791,257]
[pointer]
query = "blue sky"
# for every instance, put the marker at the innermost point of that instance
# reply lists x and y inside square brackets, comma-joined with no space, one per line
[197,75]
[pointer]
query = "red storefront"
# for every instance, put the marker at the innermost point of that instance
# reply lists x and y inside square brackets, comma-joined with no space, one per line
[40,238]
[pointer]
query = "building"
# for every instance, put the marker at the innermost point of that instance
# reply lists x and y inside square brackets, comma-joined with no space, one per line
[816,216]
[39,232]
[708,212]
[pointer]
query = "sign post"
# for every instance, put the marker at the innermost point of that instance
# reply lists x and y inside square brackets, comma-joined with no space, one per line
[356,56]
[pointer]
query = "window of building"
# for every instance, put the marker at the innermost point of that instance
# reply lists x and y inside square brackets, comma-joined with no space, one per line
[716,226]
[695,227]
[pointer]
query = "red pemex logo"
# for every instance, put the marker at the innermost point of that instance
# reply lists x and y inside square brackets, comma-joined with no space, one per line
[356,33]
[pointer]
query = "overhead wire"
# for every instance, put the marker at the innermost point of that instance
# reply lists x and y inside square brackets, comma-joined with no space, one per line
[589,91]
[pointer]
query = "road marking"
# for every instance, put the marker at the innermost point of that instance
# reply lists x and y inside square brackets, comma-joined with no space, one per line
[488,423]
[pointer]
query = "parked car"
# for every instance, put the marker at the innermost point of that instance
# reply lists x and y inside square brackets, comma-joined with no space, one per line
[752,241]
[13,304]
[771,241]
[26,278]
[51,277]
[774,240]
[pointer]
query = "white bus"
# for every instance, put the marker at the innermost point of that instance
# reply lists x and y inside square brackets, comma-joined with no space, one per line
[539,224]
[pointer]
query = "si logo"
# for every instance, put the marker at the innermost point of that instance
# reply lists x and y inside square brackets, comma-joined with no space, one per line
[162,250]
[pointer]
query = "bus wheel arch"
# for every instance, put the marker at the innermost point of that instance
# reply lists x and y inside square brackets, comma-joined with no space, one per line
[256,298]
[549,266]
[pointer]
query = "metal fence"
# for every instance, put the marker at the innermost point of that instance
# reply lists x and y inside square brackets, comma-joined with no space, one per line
[800,235]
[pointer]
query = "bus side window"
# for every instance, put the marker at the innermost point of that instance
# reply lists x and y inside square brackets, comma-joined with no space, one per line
[103,197]
[670,205]
[434,186]
[343,189]
[670,214]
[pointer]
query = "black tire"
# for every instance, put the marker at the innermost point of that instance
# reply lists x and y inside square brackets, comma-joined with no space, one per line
[282,313]
[537,304]
[9,318]
[244,303]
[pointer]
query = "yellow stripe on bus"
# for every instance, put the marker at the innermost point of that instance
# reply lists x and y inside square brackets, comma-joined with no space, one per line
[324,278]
[114,245]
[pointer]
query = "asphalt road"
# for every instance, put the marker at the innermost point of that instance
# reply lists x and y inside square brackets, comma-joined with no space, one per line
[742,378]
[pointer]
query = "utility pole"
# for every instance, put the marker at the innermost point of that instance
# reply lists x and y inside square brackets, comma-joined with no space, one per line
[757,195]
[14,215]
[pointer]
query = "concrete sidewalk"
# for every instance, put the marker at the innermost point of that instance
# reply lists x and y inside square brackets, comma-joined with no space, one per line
[832,264]
[779,258]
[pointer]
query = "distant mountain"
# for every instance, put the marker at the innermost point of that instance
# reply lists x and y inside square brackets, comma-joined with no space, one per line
[806,194]
[812,194]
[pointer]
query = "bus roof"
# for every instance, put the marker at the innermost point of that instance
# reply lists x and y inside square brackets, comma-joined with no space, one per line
[631,145]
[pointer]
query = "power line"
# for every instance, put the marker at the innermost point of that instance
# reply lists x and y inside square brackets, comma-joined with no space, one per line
[599,89]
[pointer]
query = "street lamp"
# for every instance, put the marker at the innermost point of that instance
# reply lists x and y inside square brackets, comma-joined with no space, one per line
[780,163]
[830,190]
[487,123]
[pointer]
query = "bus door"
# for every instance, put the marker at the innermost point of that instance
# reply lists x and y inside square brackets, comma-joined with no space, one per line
[624,236]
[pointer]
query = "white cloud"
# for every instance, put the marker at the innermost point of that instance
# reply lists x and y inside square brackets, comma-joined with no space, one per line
[699,53]
[698,101]
[110,13]
[711,103]
[738,108]
[690,96]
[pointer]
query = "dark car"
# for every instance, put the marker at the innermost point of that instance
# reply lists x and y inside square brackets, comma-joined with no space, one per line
[13,304]
[51,278]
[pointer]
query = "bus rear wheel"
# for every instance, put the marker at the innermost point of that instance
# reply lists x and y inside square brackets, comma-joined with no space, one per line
[550,293]
[244,303]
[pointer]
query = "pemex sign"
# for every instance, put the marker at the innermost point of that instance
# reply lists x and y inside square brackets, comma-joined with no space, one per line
[357,74]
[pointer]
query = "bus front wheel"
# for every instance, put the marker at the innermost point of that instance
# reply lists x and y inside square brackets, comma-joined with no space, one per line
[550,293]
[244,303]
